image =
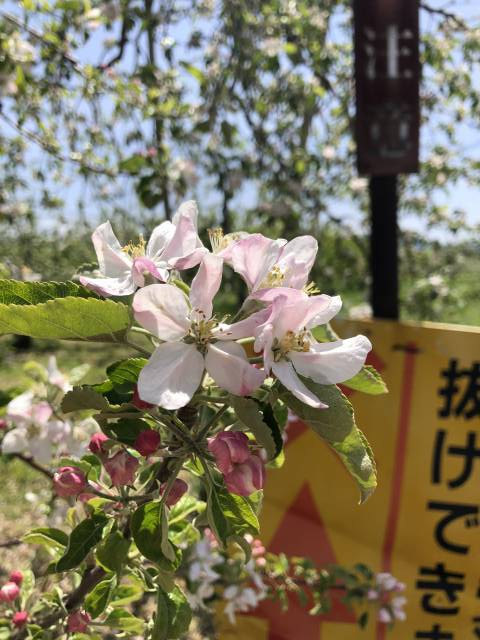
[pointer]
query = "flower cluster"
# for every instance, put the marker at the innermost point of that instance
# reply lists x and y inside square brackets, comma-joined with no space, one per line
[387,594]
[32,422]
[243,472]
[191,340]
[10,599]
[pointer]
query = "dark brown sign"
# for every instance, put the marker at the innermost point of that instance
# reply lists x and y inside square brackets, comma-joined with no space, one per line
[387,72]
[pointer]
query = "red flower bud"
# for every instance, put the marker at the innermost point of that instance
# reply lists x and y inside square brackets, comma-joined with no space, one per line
[176,492]
[229,448]
[3,424]
[69,481]
[19,619]
[78,621]
[17,577]
[247,477]
[9,592]
[121,468]
[138,402]
[147,442]
[96,444]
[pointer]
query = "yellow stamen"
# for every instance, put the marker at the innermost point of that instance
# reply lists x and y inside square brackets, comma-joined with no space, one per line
[219,241]
[311,289]
[135,250]
[201,330]
[291,342]
[274,278]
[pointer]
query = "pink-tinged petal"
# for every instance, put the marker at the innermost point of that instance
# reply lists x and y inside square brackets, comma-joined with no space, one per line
[286,374]
[228,365]
[268,295]
[288,316]
[253,257]
[332,362]
[296,260]
[41,413]
[185,249]
[243,329]
[113,262]
[171,376]
[322,309]
[229,448]
[163,310]
[247,477]
[206,284]
[228,242]
[161,236]
[121,468]
[144,266]
[107,287]
[15,441]
[20,408]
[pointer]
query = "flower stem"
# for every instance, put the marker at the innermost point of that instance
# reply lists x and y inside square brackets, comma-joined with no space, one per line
[202,433]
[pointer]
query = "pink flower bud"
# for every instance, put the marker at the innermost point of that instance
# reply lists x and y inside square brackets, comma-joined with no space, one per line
[176,492]
[96,444]
[3,424]
[246,477]
[78,621]
[121,468]
[147,442]
[16,577]
[69,481]
[9,592]
[19,619]
[229,448]
[138,402]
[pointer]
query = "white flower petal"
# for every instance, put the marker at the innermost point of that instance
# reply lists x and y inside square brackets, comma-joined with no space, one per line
[15,441]
[161,236]
[123,286]
[286,374]
[206,284]
[185,249]
[253,257]
[20,408]
[296,260]
[332,362]
[227,364]
[242,329]
[113,262]
[171,376]
[163,310]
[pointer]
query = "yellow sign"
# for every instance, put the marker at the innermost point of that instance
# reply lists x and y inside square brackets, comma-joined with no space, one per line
[423,522]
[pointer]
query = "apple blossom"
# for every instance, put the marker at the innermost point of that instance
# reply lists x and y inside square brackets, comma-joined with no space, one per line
[78,621]
[264,263]
[56,377]
[147,442]
[179,488]
[121,468]
[96,444]
[193,341]
[9,592]
[16,576]
[246,477]
[123,269]
[19,619]
[69,481]
[289,348]
[229,448]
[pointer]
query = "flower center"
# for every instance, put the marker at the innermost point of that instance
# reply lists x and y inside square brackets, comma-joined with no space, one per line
[274,278]
[290,342]
[33,430]
[135,250]
[219,241]
[201,329]
[311,289]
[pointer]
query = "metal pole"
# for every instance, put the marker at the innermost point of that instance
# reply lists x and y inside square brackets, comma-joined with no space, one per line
[384,246]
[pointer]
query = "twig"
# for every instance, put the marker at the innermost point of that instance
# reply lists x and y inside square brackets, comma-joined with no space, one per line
[121,44]
[10,543]
[31,463]
[448,15]
[41,37]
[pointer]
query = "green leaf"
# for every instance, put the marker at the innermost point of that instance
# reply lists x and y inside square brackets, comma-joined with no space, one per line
[124,374]
[112,551]
[81,541]
[160,626]
[47,537]
[229,515]
[126,593]
[71,318]
[121,619]
[259,418]
[98,599]
[81,398]
[126,429]
[133,164]
[149,526]
[367,380]
[336,425]
[185,506]
[31,293]
[179,613]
